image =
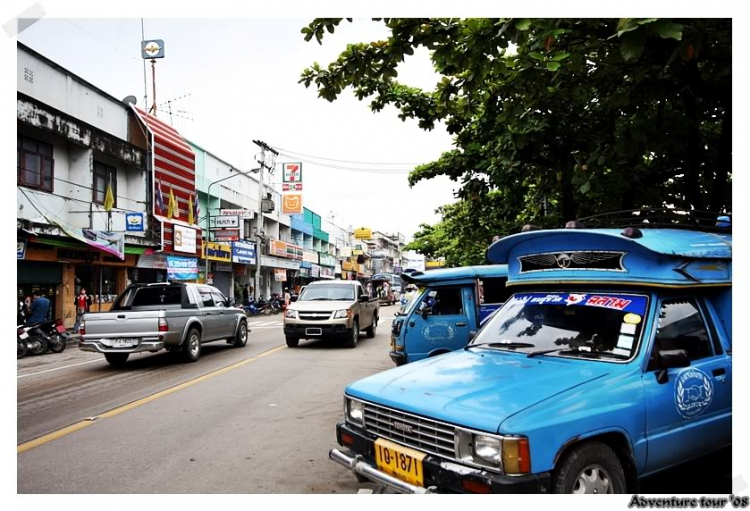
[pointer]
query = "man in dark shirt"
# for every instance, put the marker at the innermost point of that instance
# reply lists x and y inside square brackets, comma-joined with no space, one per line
[39,309]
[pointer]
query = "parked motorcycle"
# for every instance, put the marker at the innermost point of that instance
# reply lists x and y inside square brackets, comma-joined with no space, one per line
[22,337]
[36,341]
[57,335]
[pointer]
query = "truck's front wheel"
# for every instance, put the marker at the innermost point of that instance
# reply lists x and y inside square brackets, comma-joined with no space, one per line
[592,467]
[117,359]
[240,340]
[292,342]
[191,351]
[351,342]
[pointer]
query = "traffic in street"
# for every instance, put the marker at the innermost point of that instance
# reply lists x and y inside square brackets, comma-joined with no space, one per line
[259,419]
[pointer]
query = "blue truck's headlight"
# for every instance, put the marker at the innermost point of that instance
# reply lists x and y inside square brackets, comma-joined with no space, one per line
[488,448]
[355,411]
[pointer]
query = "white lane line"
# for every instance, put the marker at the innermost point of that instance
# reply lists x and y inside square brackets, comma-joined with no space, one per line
[60,368]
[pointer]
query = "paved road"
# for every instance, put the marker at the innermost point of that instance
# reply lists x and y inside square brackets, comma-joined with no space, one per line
[262,421]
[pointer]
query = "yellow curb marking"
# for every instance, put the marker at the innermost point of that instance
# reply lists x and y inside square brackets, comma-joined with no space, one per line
[135,404]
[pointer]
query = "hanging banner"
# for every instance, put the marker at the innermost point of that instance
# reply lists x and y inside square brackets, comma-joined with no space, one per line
[110,242]
[182,268]
[292,172]
[291,204]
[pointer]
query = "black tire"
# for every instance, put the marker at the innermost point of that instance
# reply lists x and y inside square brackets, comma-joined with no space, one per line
[240,339]
[351,342]
[59,343]
[191,348]
[292,342]
[117,359]
[22,349]
[373,328]
[38,345]
[592,467]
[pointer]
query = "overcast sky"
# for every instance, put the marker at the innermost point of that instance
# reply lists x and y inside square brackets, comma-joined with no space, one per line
[241,77]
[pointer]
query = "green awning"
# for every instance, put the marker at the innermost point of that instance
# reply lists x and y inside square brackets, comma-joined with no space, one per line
[129,249]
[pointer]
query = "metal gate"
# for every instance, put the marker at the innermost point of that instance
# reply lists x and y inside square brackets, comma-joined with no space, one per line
[223,281]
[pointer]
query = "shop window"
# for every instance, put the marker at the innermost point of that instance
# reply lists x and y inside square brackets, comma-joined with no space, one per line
[35,163]
[104,175]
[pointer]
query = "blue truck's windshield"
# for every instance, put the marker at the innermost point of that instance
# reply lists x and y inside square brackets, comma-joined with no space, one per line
[586,325]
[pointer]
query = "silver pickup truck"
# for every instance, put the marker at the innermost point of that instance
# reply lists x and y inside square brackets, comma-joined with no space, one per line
[336,309]
[152,317]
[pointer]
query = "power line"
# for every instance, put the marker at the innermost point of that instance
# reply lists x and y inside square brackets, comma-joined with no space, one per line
[345,161]
[350,169]
[100,39]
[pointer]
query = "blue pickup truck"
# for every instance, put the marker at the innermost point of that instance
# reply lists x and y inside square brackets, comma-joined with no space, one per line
[448,307]
[611,361]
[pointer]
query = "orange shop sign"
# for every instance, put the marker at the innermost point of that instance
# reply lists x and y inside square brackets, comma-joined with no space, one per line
[291,204]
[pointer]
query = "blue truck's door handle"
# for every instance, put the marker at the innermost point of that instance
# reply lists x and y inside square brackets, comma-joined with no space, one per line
[461,323]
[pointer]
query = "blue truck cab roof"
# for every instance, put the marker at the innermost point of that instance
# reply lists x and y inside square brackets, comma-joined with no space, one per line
[456,275]
[657,257]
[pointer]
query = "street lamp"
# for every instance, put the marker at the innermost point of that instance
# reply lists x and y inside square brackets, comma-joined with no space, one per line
[208,206]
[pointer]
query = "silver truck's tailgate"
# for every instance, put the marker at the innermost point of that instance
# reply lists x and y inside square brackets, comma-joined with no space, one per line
[122,324]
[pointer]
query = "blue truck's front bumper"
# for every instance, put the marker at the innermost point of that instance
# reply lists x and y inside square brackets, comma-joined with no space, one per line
[440,475]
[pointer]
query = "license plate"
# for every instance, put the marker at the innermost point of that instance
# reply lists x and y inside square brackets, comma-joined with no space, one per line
[314,331]
[61,329]
[123,343]
[399,461]
[24,335]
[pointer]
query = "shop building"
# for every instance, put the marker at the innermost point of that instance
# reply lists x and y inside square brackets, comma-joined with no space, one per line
[74,142]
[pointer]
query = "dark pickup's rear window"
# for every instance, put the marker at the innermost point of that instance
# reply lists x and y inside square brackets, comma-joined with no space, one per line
[156,296]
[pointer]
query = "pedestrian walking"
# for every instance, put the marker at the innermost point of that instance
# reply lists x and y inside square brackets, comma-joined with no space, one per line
[82,303]
[246,294]
[287,297]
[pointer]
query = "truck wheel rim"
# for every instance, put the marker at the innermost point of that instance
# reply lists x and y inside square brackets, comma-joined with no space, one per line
[195,345]
[243,334]
[593,479]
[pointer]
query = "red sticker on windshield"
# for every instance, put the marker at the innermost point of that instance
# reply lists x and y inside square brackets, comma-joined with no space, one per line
[610,302]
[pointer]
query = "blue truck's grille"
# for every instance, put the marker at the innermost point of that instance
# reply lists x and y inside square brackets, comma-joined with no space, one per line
[424,434]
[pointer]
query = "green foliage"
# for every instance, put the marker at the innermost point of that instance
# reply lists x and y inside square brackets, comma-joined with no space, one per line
[584,116]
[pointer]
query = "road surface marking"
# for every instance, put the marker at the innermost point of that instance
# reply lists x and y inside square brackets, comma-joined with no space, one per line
[135,404]
[59,368]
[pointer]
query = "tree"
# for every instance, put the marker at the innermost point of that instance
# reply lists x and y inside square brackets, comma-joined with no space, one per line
[555,119]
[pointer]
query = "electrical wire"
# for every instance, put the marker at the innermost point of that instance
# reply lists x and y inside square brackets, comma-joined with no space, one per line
[350,169]
[79,27]
[344,161]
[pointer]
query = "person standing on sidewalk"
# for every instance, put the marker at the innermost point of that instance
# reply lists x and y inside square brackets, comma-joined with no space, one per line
[246,294]
[82,303]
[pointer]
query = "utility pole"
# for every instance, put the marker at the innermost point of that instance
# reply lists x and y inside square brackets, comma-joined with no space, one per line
[269,153]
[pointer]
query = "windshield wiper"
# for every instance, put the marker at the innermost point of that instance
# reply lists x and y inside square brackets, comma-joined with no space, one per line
[579,353]
[510,345]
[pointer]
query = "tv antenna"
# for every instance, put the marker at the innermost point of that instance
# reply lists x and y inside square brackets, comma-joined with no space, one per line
[174,107]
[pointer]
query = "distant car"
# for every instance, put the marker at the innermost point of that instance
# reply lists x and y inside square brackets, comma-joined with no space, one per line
[336,309]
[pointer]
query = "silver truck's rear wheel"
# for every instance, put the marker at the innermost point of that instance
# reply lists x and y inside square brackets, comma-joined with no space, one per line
[117,359]
[351,342]
[191,351]
[240,340]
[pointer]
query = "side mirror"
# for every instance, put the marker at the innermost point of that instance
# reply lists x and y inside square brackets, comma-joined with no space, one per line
[669,359]
[472,334]
[364,298]
[293,298]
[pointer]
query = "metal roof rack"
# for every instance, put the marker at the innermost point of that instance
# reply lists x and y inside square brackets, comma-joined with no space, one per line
[669,218]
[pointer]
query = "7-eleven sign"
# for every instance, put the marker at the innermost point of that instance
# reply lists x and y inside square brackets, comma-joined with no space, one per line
[292,172]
